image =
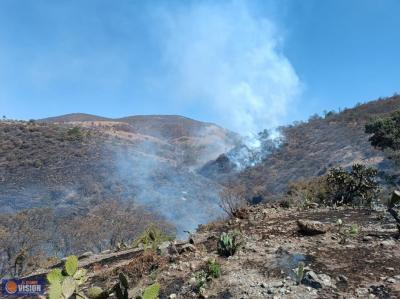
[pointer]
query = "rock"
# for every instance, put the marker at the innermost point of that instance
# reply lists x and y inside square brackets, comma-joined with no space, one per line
[106,251]
[192,281]
[309,228]
[311,279]
[85,254]
[172,296]
[343,278]
[317,281]
[313,205]
[388,243]
[391,280]
[367,238]
[172,249]
[325,280]
[390,268]
[187,248]
[163,248]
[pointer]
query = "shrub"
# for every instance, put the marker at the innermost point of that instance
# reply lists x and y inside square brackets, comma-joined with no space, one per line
[385,131]
[74,133]
[386,134]
[359,186]
[228,244]
[351,232]
[232,200]
[299,272]
[302,193]
[213,269]
[152,237]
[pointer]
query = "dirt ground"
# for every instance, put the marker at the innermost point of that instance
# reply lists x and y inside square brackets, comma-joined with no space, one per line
[367,265]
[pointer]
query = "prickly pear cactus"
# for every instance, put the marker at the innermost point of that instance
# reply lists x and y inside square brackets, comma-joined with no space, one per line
[64,283]
[96,293]
[152,291]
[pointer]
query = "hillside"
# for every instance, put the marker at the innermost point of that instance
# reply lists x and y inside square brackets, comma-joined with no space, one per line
[273,247]
[74,161]
[309,149]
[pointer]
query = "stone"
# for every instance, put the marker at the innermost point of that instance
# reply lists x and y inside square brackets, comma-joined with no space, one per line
[309,228]
[388,243]
[317,281]
[86,254]
[311,279]
[187,248]
[313,205]
[163,248]
[343,278]
[391,280]
[172,296]
[367,238]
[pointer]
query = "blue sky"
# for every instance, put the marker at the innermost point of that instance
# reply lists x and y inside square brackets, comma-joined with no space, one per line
[245,65]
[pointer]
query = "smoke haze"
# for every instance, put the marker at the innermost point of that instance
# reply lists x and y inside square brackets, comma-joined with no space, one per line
[223,59]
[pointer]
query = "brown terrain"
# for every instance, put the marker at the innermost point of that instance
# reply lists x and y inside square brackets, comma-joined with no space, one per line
[309,149]
[365,266]
[76,161]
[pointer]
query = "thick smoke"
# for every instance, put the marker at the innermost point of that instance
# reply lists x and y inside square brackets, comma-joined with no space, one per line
[224,60]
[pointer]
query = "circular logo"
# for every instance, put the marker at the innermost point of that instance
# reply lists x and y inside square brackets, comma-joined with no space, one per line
[11,287]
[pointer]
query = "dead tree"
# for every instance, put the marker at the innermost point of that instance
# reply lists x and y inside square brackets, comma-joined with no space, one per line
[233,200]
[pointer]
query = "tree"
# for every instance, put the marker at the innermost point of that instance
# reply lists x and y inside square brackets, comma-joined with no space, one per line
[232,200]
[385,132]
[356,186]
[22,239]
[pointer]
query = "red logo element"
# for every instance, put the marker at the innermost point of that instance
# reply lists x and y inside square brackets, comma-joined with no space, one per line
[11,287]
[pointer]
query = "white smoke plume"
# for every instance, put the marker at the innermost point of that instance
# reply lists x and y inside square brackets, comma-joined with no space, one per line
[222,59]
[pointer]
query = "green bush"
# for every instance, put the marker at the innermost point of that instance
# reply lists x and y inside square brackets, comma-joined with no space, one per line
[152,237]
[357,186]
[213,269]
[74,133]
[386,134]
[228,244]
[303,193]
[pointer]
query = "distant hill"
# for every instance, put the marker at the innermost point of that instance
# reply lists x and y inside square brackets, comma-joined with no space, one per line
[310,149]
[73,117]
[74,161]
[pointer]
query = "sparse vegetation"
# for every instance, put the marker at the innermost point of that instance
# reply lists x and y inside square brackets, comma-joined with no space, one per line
[305,192]
[299,272]
[232,200]
[213,269]
[152,237]
[229,243]
[358,186]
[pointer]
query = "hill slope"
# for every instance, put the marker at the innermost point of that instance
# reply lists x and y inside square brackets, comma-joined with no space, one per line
[75,161]
[310,149]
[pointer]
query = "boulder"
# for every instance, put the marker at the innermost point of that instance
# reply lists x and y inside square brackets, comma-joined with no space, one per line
[163,248]
[317,281]
[309,227]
